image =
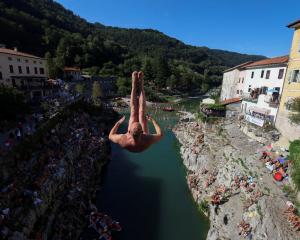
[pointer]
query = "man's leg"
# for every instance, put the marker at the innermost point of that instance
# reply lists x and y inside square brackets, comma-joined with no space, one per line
[134,107]
[142,105]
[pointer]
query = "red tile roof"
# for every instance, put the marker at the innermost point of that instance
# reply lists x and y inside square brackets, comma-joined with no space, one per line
[238,66]
[270,61]
[71,69]
[294,24]
[17,53]
[231,100]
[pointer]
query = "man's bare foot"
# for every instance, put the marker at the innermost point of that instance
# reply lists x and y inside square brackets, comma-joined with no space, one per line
[135,78]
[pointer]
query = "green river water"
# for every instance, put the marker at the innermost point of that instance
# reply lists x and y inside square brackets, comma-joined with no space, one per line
[148,194]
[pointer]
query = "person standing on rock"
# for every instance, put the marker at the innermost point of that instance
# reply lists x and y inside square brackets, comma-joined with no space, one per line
[137,138]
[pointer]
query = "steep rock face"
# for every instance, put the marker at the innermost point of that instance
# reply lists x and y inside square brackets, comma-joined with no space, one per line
[50,196]
[214,155]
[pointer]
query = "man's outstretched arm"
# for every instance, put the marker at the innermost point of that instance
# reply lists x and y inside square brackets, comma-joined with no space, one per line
[113,136]
[159,134]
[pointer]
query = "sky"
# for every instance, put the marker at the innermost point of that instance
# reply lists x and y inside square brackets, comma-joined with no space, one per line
[252,27]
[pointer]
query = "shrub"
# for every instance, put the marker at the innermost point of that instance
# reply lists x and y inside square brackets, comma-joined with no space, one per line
[294,150]
[203,206]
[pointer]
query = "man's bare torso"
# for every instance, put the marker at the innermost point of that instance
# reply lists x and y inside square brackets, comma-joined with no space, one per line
[128,142]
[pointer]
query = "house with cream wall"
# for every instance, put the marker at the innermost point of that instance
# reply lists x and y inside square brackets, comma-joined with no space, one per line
[291,89]
[262,89]
[23,71]
[232,83]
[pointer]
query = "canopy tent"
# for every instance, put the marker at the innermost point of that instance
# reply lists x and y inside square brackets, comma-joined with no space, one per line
[208,101]
[272,90]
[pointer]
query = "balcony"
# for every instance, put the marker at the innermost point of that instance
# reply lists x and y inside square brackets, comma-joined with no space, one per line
[273,100]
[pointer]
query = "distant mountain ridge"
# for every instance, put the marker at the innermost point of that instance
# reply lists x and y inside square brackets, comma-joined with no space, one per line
[45,26]
[54,14]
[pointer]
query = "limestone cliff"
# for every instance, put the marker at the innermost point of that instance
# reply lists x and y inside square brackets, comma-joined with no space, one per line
[224,170]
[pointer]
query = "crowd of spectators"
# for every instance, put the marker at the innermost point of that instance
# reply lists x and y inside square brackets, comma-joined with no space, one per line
[60,168]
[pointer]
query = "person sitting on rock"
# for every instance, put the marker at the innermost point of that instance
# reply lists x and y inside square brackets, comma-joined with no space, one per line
[137,138]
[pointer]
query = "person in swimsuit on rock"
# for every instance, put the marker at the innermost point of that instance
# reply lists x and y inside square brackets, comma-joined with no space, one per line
[137,138]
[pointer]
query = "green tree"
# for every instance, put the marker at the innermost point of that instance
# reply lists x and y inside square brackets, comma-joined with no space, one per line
[294,150]
[172,82]
[53,70]
[148,70]
[96,92]
[162,71]
[123,86]
[79,88]
[93,71]
[109,69]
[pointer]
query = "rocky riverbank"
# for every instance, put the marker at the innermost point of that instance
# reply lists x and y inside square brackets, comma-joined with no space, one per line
[48,183]
[231,184]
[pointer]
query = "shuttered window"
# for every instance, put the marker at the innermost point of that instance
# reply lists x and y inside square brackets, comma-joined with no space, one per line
[294,76]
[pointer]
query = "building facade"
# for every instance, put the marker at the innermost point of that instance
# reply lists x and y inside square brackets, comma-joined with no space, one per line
[262,90]
[23,71]
[291,88]
[72,74]
[233,80]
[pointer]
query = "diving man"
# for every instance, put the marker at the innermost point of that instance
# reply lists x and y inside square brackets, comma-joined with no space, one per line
[137,138]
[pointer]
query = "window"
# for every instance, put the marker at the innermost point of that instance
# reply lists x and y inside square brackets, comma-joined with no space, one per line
[26,60]
[27,70]
[237,91]
[20,69]
[280,74]
[242,80]
[35,70]
[9,58]
[11,69]
[299,46]
[41,63]
[42,71]
[18,59]
[239,80]
[1,77]
[249,88]
[252,75]
[262,74]
[34,62]
[294,76]
[288,103]
[277,89]
[268,74]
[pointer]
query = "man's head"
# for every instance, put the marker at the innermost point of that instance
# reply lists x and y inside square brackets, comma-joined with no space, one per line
[136,130]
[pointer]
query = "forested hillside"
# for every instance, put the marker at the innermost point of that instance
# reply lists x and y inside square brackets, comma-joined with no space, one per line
[46,28]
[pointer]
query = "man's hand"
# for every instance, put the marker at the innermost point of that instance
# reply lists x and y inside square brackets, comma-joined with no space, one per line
[149,118]
[113,136]
[121,120]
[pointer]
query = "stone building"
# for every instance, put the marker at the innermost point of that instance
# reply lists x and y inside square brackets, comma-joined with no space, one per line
[262,89]
[25,72]
[72,74]
[233,81]
[291,89]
